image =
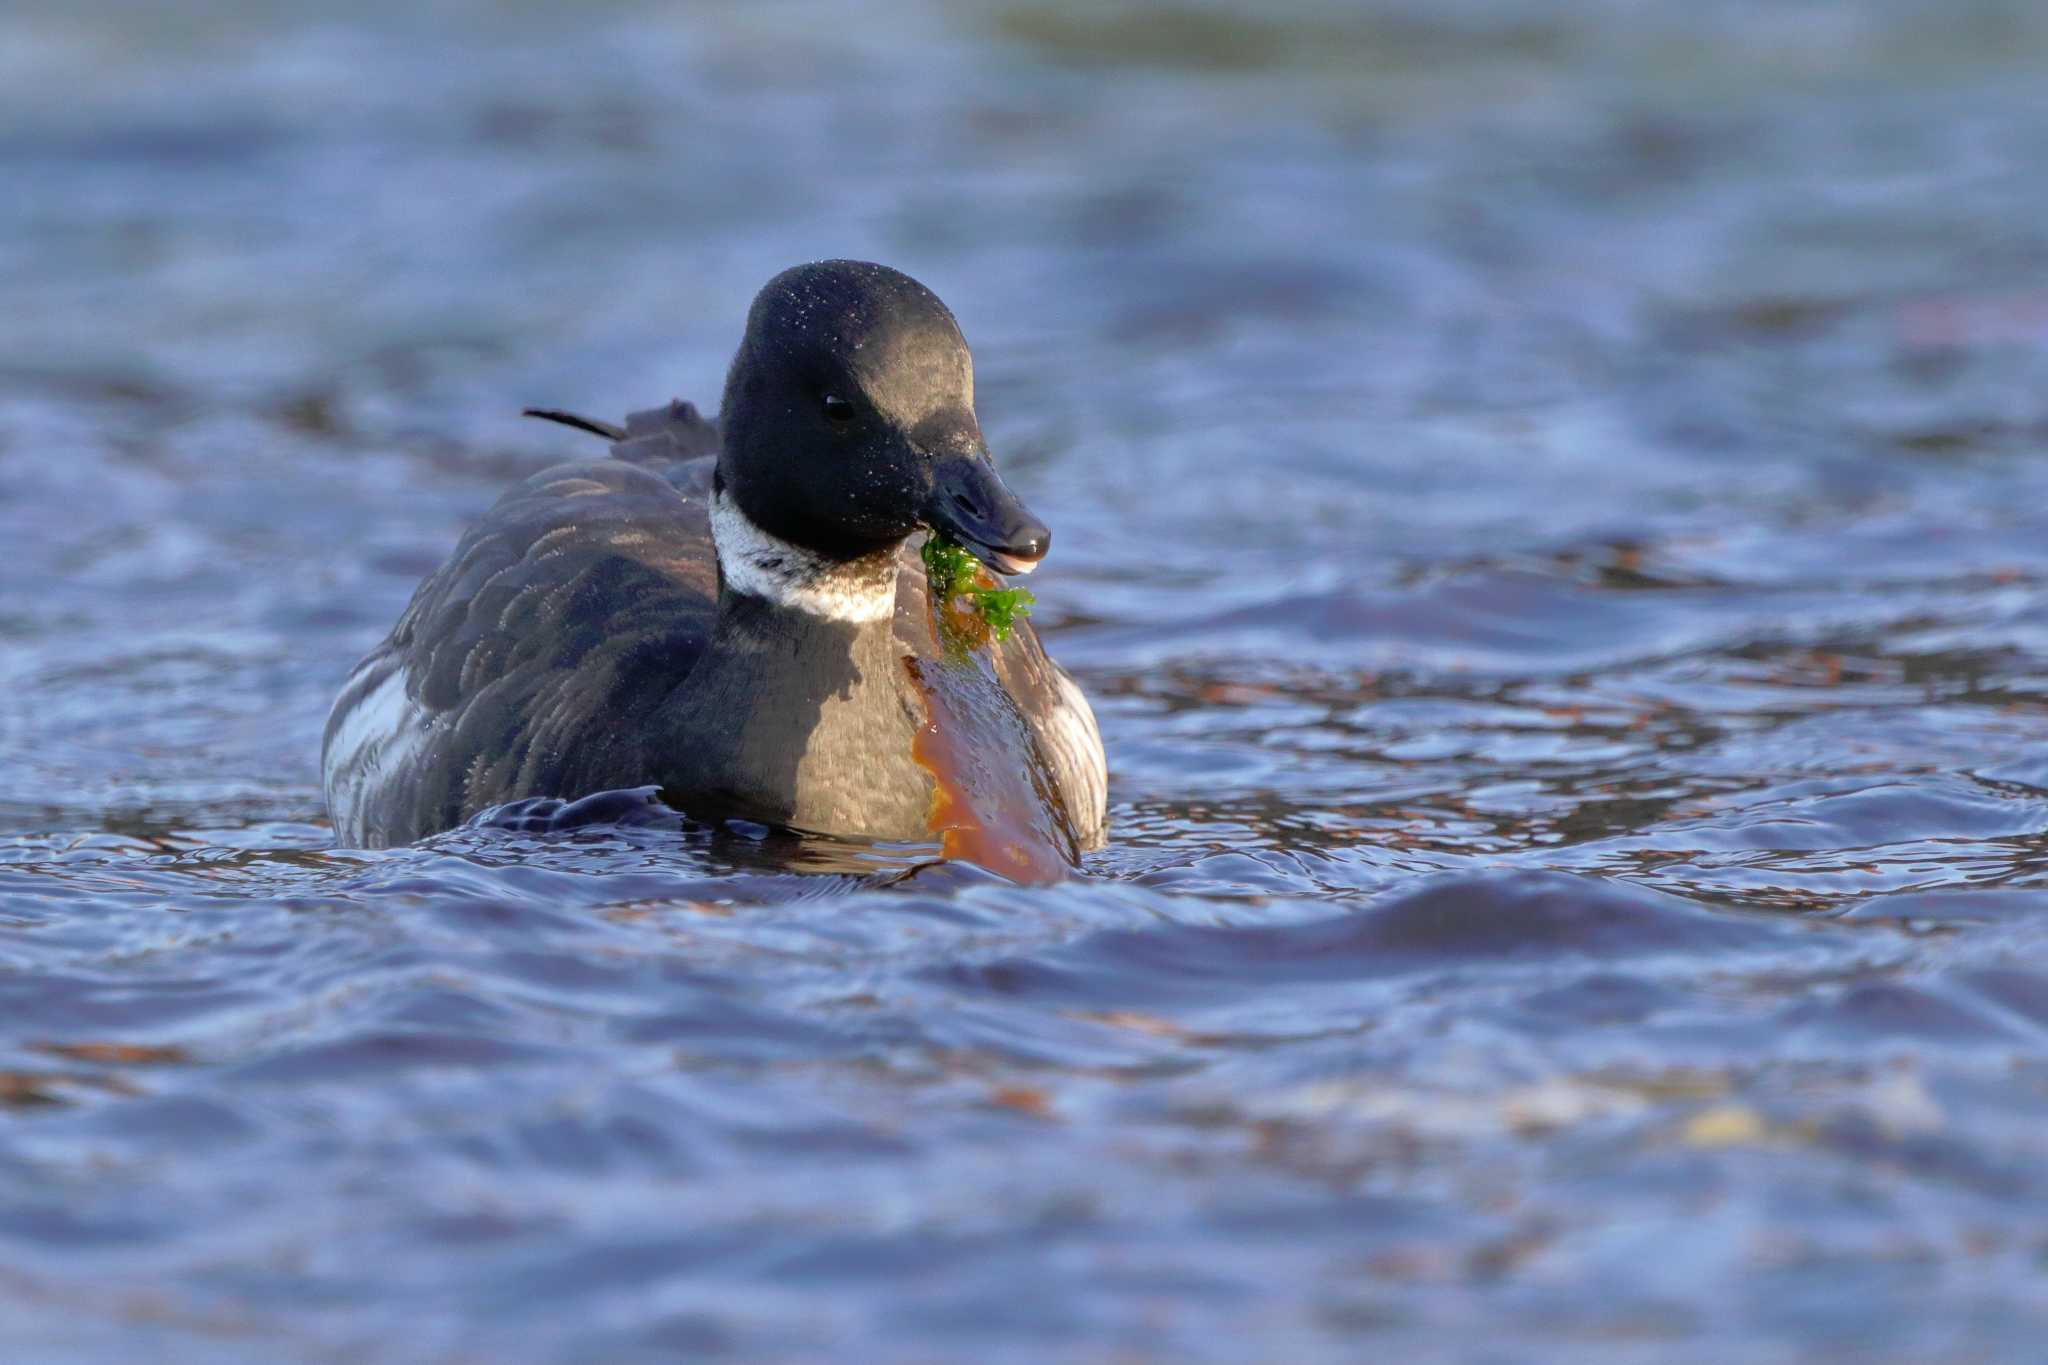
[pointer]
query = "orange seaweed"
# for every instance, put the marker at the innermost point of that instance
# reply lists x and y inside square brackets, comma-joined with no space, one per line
[992,799]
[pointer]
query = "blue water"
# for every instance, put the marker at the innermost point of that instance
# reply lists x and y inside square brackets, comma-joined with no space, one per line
[1549,502]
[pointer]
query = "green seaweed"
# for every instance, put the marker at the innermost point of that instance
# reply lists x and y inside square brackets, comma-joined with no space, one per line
[950,572]
[946,565]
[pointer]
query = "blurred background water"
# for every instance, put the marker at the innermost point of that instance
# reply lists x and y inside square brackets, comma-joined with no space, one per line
[1550,505]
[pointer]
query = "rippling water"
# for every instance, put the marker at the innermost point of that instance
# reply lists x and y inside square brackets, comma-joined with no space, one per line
[1550,504]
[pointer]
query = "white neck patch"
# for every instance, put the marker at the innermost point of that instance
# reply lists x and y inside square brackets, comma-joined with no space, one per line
[753,562]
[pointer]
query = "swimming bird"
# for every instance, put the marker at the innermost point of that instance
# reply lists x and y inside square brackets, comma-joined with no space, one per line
[732,612]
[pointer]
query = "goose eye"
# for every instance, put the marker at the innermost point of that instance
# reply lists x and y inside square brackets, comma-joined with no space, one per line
[837,409]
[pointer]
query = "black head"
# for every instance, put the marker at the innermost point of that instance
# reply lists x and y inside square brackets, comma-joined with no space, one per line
[849,421]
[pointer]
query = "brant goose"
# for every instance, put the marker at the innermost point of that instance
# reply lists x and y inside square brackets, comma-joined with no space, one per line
[731,613]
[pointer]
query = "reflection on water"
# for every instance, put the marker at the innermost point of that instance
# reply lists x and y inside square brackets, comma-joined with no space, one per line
[1549,508]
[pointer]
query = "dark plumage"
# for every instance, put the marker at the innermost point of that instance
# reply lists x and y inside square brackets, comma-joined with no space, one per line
[593,633]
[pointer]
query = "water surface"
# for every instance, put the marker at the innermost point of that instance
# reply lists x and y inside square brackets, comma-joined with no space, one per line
[1549,503]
